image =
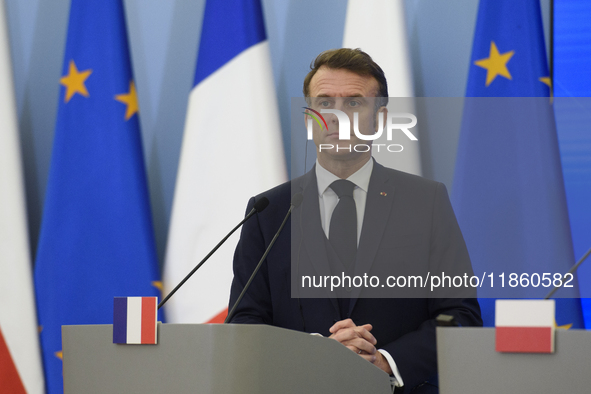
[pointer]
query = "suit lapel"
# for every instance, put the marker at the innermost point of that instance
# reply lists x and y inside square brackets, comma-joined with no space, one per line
[309,229]
[380,198]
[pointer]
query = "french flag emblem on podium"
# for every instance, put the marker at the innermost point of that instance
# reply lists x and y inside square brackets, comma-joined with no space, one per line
[525,326]
[134,320]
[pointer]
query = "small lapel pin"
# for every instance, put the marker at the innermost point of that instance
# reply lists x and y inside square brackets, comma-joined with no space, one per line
[384,194]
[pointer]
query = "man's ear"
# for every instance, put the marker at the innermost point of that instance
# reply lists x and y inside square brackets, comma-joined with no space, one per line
[381,112]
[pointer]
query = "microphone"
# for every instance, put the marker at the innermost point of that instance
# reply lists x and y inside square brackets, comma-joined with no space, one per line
[259,206]
[571,271]
[296,200]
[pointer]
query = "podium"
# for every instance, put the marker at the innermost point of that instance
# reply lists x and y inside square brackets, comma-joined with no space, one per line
[468,363]
[203,358]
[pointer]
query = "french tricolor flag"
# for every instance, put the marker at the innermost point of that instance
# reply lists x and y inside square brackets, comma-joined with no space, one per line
[134,320]
[232,150]
[525,326]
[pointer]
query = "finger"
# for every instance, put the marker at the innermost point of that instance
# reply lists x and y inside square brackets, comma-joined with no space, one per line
[348,334]
[364,333]
[372,358]
[360,345]
[347,323]
[343,326]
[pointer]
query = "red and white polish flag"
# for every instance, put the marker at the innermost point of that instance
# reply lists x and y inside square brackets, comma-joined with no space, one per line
[525,326]
[134,320]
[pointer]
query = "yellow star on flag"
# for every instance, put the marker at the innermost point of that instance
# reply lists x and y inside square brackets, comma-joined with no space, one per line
[495,64]
[548,81]
[60,355]
[158,284]
[74,81]
[130,99]
[564,327]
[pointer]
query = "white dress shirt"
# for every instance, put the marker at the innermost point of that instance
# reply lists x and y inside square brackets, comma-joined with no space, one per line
[328,199]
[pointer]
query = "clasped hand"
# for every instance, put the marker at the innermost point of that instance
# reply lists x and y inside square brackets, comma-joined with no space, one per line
[360,340]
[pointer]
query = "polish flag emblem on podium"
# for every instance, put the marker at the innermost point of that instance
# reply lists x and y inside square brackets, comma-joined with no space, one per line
[525,326]
[134,320]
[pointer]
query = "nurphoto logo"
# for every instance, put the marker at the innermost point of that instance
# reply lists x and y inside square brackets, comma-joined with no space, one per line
[392,124]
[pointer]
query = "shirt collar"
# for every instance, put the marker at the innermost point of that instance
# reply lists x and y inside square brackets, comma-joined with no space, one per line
[360,178]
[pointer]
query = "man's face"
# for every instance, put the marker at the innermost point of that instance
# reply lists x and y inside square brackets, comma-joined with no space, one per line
[348,92]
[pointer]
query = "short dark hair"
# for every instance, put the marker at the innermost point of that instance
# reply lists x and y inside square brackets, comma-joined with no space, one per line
[354,60]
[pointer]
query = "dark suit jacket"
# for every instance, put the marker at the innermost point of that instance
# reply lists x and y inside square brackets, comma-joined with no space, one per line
[408,222]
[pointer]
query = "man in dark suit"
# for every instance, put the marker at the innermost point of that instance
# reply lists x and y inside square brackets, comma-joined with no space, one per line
[403,225]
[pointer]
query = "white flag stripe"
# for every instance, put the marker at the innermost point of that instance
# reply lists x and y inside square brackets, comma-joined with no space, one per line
[232,150]
[17,305]
[379,29]
[134,320]
[524,313]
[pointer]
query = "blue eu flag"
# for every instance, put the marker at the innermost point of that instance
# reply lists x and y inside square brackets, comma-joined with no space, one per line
[508,190]
[96,238]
